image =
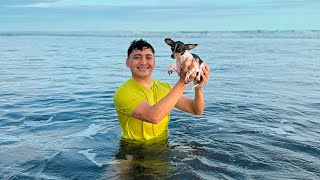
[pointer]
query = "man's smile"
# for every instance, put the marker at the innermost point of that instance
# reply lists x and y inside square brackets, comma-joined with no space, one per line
[143,68]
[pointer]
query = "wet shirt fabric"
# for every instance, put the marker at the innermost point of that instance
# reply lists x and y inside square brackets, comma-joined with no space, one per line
[127,97]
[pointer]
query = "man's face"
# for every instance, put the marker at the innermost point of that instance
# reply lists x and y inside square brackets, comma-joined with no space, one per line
[141,63]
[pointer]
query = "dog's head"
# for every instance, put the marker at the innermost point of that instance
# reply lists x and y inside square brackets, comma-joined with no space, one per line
[178,48]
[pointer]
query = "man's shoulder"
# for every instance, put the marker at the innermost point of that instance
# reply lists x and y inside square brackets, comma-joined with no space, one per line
[126,86]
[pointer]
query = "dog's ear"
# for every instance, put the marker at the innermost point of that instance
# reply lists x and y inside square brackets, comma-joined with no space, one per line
[169,41]
[190,46]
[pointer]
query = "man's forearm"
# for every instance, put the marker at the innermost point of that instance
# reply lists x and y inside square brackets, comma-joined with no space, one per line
[166,104]
[198,102]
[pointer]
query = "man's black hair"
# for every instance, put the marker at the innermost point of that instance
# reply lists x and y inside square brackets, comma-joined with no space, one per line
[140,45]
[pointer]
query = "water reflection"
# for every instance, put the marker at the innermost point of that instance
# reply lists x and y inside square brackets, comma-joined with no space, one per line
[143,160]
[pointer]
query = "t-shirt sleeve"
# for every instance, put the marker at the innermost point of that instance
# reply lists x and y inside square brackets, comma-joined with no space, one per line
[126,101]
[168,86]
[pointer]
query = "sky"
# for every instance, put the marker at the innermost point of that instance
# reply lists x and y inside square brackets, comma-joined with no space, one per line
[158,15]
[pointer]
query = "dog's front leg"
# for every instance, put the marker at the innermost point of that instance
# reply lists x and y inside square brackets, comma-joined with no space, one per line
[179,66]
[198,78]
[171,69]
[189,73]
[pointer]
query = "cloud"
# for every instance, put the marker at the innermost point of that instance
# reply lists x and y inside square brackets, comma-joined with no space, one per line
[97,3]
[57,3]
[28,3]
[141,3]
[36,5]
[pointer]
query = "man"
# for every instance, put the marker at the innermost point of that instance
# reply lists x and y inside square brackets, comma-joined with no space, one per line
[143,104]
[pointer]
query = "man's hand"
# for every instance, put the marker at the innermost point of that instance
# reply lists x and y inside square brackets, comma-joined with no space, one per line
[205,74]
[187,66]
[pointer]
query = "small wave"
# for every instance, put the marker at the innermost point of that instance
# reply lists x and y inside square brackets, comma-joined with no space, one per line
[282,130]
[92,130]
[7,138]
[278,130]
[90,156]
[288,128]
[39,123]
[215,121]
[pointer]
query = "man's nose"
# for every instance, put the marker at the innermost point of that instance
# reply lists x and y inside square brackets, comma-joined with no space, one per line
[143,60]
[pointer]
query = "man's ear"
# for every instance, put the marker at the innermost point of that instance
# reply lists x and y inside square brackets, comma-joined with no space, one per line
[127,62]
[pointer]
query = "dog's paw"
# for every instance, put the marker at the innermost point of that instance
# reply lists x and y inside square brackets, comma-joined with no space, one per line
[186,81]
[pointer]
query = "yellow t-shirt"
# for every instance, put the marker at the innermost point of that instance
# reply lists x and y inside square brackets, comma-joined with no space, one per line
[127,97]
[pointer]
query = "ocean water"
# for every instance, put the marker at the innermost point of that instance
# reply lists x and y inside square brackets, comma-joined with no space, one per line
[261,120]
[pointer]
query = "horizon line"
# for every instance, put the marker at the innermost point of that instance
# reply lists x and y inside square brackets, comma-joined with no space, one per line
[142,31]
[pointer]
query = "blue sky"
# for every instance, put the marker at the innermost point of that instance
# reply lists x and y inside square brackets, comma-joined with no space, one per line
[158,15]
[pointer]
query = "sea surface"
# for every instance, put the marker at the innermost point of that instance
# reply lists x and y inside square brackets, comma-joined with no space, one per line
[261,120]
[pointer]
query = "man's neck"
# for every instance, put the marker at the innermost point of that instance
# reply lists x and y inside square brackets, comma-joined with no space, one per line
[146,82]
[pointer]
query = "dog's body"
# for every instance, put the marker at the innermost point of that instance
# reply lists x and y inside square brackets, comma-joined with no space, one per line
[180,53]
